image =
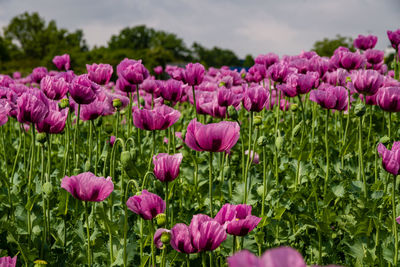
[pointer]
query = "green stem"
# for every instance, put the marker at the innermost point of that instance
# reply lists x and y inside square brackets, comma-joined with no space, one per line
[153,253]
[360,156]
[76,155]
[347,126]
[88,234]
[166,204]
[194,102]
[326,152]
[396,243]
[248,157]
[264,182]
[30,181]
[90,144]
[234,245]
[210,194]
[203,259]
[390,124]
[43,200]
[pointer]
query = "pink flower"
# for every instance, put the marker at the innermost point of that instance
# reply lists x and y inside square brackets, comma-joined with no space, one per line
[147,205]
[62,62]
[166,167]
[8,261]
[159,118]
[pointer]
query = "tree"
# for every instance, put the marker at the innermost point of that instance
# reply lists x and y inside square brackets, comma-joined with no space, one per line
[326,47]
[248,61]
[215,57]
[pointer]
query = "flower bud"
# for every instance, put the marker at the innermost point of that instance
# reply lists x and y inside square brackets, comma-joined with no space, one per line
[384,140]
[165,237]
[41,138]
[279,142]
[257,120]
[359,110]
[296,129]
[64,103]
[125,159]
[348,79]
[161,219]
[293,107]
[232,112]
[227,169]
[262,140]
[76,171]
[221,84]
[47,188]
[39,263]
[117,103]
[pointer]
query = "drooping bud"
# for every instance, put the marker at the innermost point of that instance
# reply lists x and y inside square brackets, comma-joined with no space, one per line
[125,159]
[262,140]
[384,140]
[279,142]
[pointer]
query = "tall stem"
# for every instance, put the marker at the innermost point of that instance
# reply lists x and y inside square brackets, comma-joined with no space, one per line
[166,204]
[396,243]
[153,254]
[360,156]
[347,126]
[90,144]
[76,155]
[264,182]
[32,157]
[194,102]
[88,234]
[210,194]
[248,157]
[326,152]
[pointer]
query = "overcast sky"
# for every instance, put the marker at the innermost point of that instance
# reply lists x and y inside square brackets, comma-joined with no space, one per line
[244,26]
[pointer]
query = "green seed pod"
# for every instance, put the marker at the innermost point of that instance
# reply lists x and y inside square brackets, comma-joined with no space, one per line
[64,103]
[161,219]
[296,129]
[47,188]
[262,140]
[87,166]
[384,140]
[117,103]
[221,84]
[39,263]
[108,128]
[260,190]
[41,138]
[257,120]
[165,238]
[294,107]
[359,110]
[227,169]
[125,159]
[232,113]
[279,142]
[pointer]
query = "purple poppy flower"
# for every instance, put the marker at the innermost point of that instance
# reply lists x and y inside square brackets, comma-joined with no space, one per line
[111,141]
[100,73]
[319,65]
[172,90]
[348,60]
[149,86]
[206,233]
[390,158]
[147,205]
[244,258]
[237,219]
[8,261]
[227,97]
[300,64]
[54,87]
[256,73]
[62,62]
[175,72]
[181,240]
[388,98]
[68,75]
[5,108]
[279,71]
[83,90]
[367,82]
[365,42]
[38,74]
[330,97]
[5,80]
[394,38]
[107,97]
[33,107]
[157,237]
[254,157]
[92,111]
[267,60]
[337,77]
[398,220]
[88,187]
[213,137]
[298,83]
[194,74]
[16,75]
[54,123]
[158,70]
[254,98]
[160,118]
[132,71]
[166,167]
[282,257]
[374,56]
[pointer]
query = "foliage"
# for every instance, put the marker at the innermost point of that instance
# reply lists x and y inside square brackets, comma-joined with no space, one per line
[327,46]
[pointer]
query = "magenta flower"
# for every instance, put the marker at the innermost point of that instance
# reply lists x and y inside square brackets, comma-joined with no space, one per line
[206,233]
[278,72]
[157,237]
[254,157]
[237,219]
[132,71]
[374,56]
[388,98]
[298,83]
[159,118]
[244,258]
[16,75]
[5,80]
[330,97]
[54,87]
[172,90]
[83,90]
[5,108]
[112,140]
[365,42]
[54,123]
[390,158]
[254,98]
[348,60]
[33,107]
[88,187]
[181,239]
[92,111]
[267,60]
[166,167]
[394,38]
[213,137]
[319,65]
[194,74]
[227,97]
[367,82]
[147,205]
[158,70]
[62,62]
[100,73]
[256,73]
[337,77]
[38,74]
[8,261]
[150,86]
[124,86]
[398,220]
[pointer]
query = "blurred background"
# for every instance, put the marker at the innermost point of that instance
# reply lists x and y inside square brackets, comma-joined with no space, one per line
[213,32]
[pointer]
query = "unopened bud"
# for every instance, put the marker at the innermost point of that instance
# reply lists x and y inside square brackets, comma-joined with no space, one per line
[257,120]
[125,159]
[294,107]
[64,103]
[348,79]
[161,219]
[117,103]
[39,263]
[384,140]
[47,188]
[279,142]
[262,141]
[221,84]
[296,129]
[87,166]
[165,238]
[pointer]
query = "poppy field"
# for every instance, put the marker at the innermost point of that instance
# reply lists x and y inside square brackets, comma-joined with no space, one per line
[293,162]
